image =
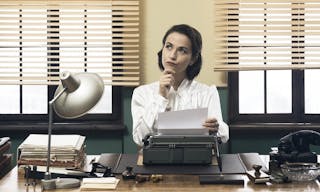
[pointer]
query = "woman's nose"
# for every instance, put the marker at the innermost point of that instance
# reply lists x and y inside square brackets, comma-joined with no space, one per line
[173,54]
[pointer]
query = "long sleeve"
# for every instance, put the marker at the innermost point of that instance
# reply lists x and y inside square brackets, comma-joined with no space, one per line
[145,106]
[214,110]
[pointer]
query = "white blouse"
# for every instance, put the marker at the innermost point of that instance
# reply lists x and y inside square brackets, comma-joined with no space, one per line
[147,103]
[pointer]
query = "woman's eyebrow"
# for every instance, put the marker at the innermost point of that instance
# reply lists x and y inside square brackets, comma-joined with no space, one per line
[179,47]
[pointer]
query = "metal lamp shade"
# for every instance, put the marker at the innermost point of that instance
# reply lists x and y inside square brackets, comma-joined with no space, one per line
[82,93]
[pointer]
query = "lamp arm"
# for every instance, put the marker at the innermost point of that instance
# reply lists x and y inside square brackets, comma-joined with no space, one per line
[57,96]
[48,175]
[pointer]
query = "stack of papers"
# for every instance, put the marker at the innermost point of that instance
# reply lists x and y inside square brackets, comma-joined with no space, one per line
[97,184]
[66,151]
[5,158]
[184,122]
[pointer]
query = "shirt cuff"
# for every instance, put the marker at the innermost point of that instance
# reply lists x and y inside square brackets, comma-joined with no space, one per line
[162,103]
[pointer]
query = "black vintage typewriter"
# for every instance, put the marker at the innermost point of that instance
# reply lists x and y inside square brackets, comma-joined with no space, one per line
[178,149]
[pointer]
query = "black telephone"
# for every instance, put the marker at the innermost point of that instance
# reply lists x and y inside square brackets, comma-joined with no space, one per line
[293,148]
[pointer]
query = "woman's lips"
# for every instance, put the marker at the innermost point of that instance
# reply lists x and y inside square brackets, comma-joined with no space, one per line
[170,63]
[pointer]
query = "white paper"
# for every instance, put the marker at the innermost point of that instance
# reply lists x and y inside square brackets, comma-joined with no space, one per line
[57,141]
[103,180]
[184,122]
[99,184]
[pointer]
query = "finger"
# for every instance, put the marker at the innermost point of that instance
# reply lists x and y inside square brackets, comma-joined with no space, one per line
[167,76]
[211,124]
[169,71]
[211,120]
[167,81]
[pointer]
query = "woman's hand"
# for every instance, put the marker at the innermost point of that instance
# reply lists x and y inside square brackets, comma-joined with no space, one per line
[166,81]
[212,125]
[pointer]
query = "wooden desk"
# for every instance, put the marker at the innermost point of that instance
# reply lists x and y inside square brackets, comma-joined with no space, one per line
[14,182]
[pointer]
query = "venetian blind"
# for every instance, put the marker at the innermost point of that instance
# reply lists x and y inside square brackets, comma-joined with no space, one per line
[267,34]
[39,39]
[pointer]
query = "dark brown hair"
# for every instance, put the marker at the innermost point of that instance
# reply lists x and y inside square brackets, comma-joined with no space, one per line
[196,43]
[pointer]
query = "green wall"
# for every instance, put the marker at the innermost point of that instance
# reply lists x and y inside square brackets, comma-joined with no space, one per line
[129,145]
[113,142]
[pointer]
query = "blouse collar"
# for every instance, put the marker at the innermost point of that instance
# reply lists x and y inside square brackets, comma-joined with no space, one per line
[183,86]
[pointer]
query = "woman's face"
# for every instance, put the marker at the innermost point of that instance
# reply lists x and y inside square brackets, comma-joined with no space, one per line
[177,53]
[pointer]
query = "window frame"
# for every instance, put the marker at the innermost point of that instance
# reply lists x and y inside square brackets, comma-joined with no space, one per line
[297,103]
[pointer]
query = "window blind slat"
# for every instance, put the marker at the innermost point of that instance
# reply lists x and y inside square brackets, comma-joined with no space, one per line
[71,67]
[39,39]
[265,67]
[104,28]
[235,2]
[133,62]
[86,51]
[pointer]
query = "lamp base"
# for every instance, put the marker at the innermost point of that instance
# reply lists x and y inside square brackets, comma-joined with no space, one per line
[60,183]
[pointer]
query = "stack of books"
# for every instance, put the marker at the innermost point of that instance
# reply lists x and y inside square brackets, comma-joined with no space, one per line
[5,157]
[67,151]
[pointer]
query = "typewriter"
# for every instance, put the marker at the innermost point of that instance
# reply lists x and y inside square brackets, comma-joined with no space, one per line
[178,149]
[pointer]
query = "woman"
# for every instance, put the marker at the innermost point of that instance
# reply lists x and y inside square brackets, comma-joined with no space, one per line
[180,62]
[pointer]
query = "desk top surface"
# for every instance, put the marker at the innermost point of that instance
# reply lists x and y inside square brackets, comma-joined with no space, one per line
[15,182]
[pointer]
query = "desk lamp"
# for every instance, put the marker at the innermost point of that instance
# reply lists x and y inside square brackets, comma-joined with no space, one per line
[74,97]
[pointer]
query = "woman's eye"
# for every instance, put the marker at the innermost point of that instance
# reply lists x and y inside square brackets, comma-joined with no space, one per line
[168,46]
[184,51]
